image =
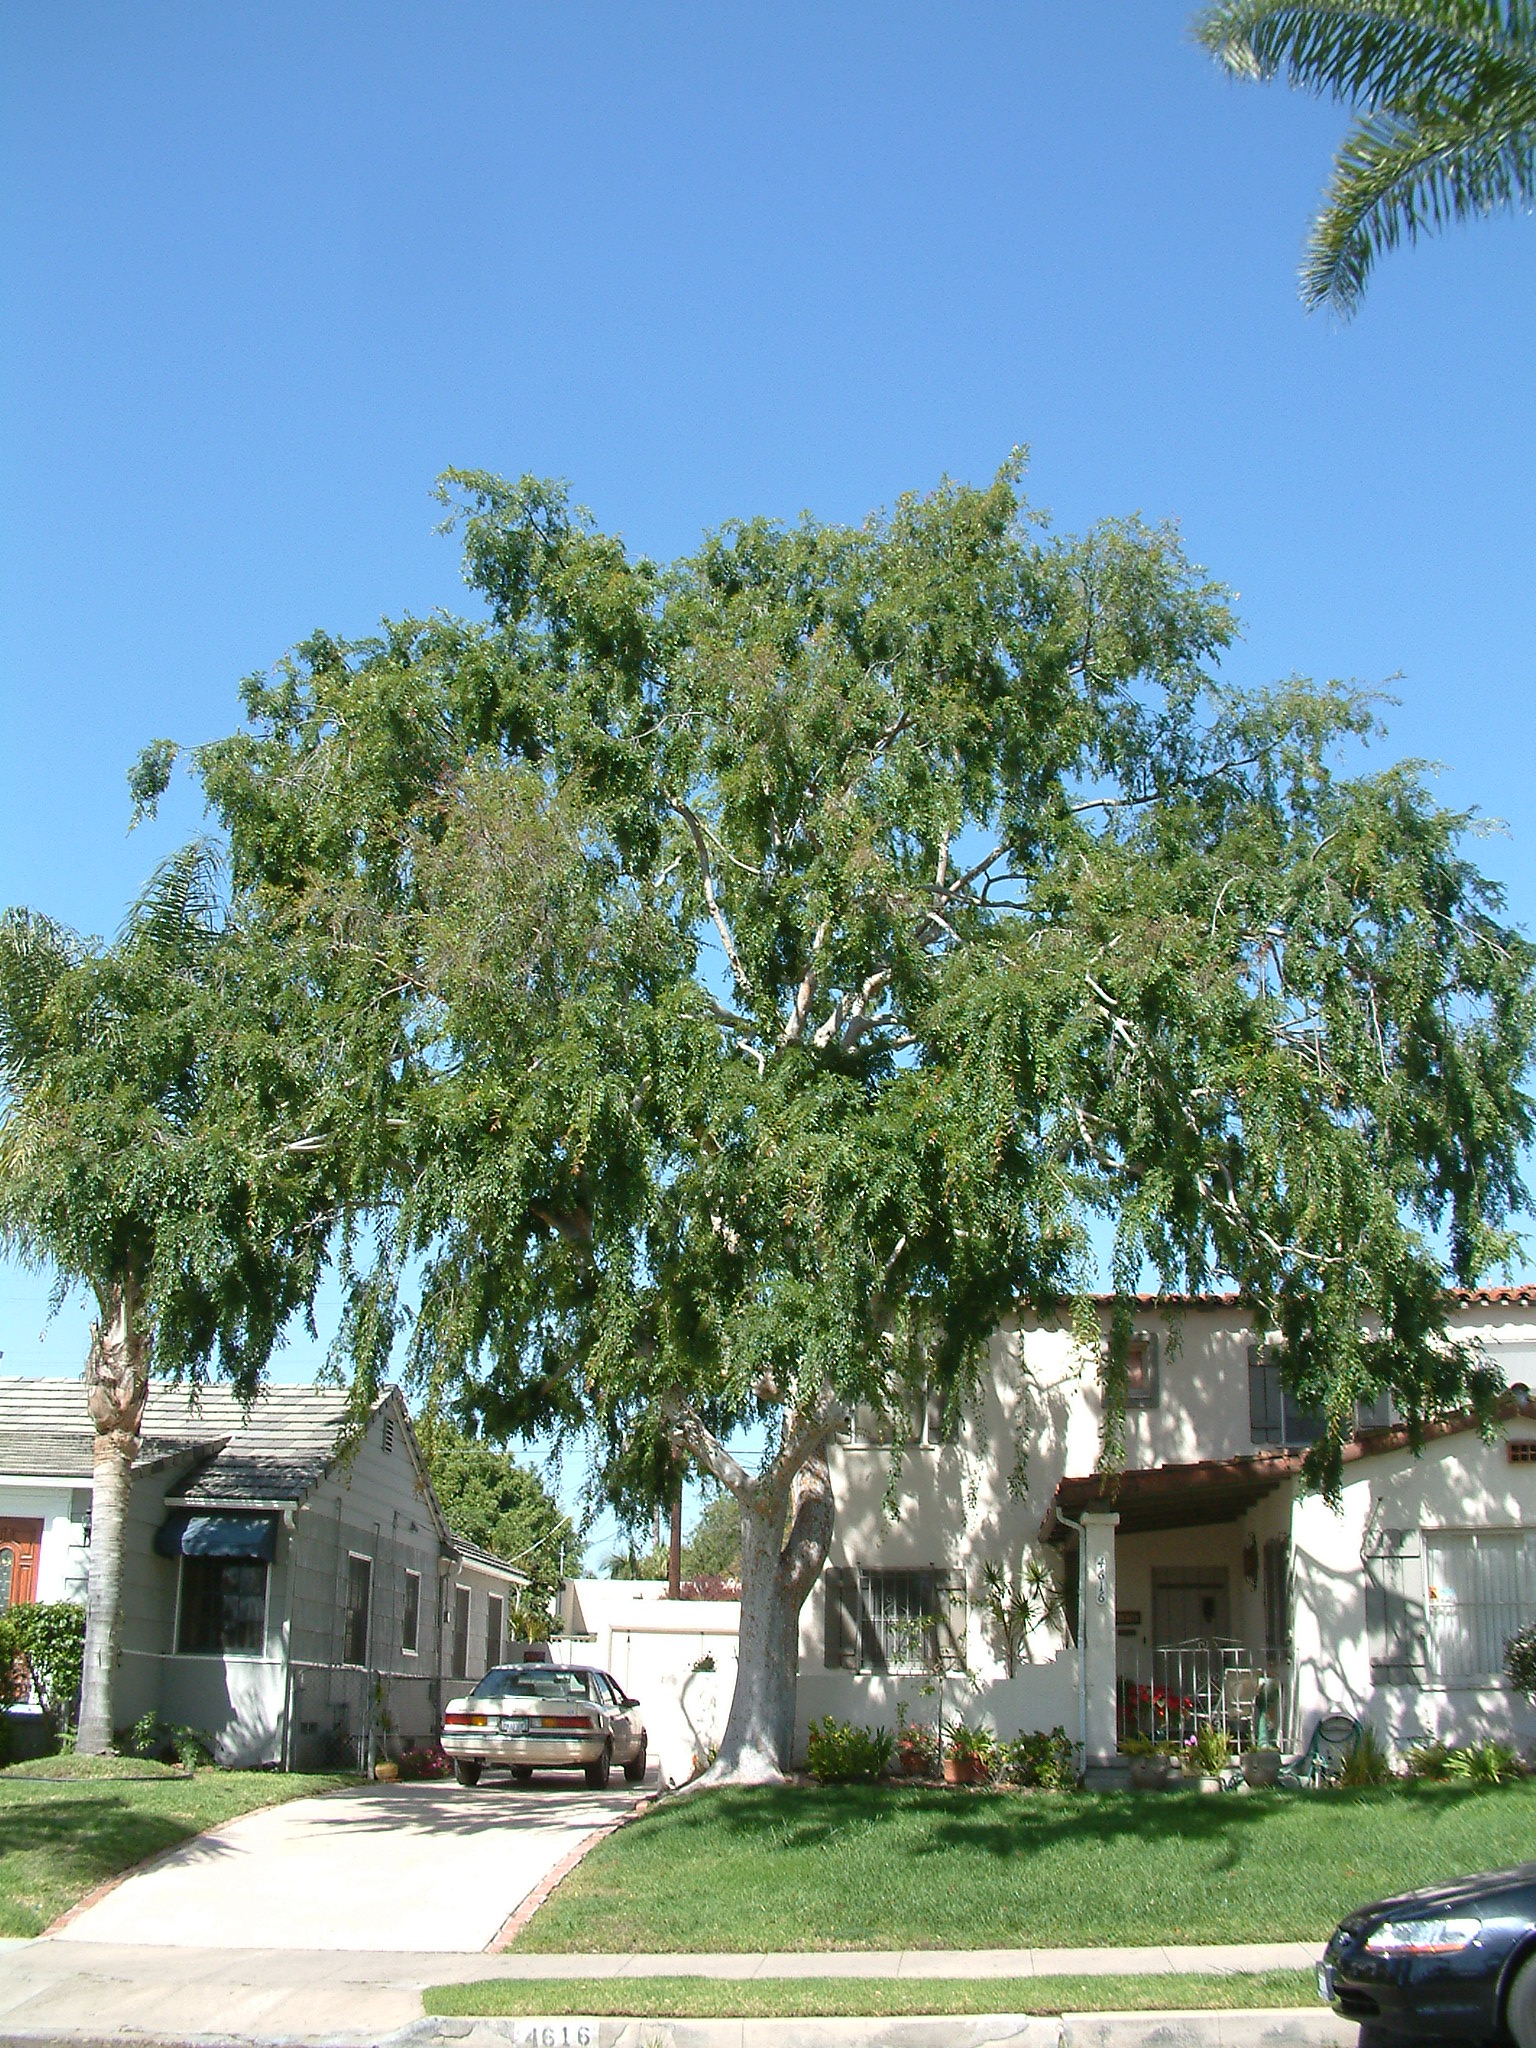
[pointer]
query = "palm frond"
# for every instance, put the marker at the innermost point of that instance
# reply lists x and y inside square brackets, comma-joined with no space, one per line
[1372,52]
[35,954]
[181,907]
[1395,179]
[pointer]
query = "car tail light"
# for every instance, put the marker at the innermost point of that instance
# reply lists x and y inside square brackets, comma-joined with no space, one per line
[581,1721]
[464,1720]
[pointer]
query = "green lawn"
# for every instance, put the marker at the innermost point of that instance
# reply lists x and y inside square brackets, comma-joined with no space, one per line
[897,1867]
[60,1840]
[704,1998]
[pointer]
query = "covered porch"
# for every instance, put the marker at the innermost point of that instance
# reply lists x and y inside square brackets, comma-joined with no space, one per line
[1179,1593]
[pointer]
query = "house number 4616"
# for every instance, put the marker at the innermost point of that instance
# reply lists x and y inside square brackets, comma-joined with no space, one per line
[557,2034]
[1101,1575]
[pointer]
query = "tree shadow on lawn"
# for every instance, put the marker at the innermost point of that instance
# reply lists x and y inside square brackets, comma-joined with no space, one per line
[1004,1825]
[90,1833]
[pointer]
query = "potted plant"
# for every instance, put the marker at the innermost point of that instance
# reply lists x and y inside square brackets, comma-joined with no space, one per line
[917,1746]
[968,1756]
[1209,1756]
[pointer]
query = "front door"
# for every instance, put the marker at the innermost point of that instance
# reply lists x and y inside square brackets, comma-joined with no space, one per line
[19,1543]
[1190,1604]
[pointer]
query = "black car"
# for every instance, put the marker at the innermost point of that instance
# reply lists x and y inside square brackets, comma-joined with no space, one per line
[1454,1963]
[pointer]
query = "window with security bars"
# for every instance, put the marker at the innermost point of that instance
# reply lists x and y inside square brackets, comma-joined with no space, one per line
[894,1621]
[1480,1590]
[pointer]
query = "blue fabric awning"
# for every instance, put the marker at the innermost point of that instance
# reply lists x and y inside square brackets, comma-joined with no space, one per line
[185,1533]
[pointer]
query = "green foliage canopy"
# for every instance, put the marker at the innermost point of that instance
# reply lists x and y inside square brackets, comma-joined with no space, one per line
[739,984]
[500,1505]
[150,1098]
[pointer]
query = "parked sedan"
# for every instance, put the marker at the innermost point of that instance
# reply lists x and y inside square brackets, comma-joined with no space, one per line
[1454,1963]
[550,1717]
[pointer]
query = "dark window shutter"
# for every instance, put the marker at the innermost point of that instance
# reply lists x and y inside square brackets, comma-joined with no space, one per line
[842,1619]
[1264,1416]
[1277,1596]
[949,1604]
[1394,1606]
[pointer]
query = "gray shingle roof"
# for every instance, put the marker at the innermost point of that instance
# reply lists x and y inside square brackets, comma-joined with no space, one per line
[473,1554]
[277,1452]
[62,1454]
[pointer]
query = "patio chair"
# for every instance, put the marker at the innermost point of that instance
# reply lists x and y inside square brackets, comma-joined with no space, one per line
[1239,1692]
[1334,1736]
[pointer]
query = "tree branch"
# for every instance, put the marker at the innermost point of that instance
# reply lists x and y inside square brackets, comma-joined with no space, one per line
[805,994]
[685,1428]
[810,1535]
[707,875]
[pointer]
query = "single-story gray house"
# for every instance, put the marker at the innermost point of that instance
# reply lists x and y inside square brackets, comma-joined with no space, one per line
[291,1588]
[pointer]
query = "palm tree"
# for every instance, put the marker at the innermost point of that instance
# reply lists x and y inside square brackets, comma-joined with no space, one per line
[142,1158]
[1447,93]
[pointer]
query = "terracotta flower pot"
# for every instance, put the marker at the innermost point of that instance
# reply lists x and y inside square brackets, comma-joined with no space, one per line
[913,1763]
[964,1770]
[386,1770]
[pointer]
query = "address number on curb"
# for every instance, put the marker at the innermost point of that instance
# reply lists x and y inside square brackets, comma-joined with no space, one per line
[556,2034]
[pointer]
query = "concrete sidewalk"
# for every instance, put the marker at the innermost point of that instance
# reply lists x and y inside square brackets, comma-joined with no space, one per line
[74,1991]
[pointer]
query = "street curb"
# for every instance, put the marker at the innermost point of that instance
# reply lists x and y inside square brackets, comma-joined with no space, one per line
[1268,2028]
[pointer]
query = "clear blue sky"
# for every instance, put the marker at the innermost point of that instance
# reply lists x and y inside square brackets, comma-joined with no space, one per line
[267,271]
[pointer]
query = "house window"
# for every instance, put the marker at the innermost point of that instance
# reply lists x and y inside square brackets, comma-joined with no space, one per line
[410,1620]
[1275,1415]
[460,1632]
[1522,1451]
[493,1614]
[223,1606]
[359,1599]
[895,1621]
[1141,1381]
[1480,1590]
[920,1419]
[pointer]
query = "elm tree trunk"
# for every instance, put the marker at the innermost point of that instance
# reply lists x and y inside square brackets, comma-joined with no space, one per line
[776,1575]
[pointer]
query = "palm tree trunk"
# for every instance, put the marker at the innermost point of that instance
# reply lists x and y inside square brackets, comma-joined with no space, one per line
[117,1380]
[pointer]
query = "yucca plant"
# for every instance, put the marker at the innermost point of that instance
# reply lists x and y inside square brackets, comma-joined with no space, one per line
[1446,93]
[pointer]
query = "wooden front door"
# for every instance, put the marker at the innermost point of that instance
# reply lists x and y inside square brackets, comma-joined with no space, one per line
[19,1543]
[1190,1605]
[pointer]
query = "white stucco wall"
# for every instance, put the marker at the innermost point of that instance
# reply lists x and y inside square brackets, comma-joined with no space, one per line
[1459,1483]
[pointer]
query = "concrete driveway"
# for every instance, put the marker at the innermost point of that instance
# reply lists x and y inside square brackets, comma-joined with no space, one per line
[398,1867]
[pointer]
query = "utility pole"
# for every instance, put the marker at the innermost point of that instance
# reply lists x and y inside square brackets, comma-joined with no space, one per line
[675,1548]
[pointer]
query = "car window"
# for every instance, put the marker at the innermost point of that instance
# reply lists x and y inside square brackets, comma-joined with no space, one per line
[540,1681]
[619,1694]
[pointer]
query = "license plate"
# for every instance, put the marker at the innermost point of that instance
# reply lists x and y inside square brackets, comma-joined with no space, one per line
[1325,1982]
[514,1724]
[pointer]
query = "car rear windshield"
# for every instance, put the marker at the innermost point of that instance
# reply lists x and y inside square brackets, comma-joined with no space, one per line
[542,1681]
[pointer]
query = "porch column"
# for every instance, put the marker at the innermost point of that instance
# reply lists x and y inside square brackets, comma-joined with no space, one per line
[1096,1636]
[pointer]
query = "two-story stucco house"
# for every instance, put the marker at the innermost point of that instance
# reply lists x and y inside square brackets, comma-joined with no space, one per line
[290,1587]
[1202,1581]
